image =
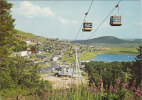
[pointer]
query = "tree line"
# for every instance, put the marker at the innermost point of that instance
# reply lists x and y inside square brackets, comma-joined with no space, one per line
[109,72]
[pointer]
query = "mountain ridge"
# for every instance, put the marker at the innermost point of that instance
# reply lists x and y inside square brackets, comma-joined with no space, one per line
[104,39]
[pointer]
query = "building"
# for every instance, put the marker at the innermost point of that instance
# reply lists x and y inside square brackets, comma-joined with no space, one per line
[65,65]
[21,53]
[42,57]
[55,58]
[29,42]
[41,52]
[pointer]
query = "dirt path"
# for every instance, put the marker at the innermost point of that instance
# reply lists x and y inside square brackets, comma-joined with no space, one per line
[63,82]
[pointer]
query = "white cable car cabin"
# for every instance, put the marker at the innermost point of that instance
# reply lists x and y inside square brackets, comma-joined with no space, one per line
[87,27]
[116,20]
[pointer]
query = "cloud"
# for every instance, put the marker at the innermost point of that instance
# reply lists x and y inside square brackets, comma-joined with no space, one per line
[62,20]
[29,10]
[65,21]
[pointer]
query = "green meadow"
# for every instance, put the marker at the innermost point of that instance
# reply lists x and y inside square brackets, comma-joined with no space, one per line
[122,50]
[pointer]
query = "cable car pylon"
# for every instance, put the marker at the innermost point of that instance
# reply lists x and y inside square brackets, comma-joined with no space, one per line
[76,71]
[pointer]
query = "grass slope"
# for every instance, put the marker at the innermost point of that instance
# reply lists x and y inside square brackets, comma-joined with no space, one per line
[123,45]
[122,50]
[30,35]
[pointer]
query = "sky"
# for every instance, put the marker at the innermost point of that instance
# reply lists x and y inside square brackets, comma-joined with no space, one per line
[63,18]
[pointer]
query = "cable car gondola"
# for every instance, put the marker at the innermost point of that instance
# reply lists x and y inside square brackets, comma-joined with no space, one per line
[116,20]
[87,27]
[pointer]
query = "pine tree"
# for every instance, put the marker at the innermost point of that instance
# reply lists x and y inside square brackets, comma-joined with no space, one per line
[138,57]
[6,28]
[137,66]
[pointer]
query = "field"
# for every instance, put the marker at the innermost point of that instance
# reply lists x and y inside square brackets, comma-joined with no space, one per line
[122,45]
[121,50]
[124,48]
[82,56]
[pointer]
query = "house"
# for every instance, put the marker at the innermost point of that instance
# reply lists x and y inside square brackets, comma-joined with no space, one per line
[41,52]
[82,51]
[61,53]
[29,42]
[33,49]
[21,53]
[55,58]
[50,49]
[66,65]
[39,62]
[91,46]
[86,61]
[91,50]
[82,66]
[42,57]
[70,54]
[38,43]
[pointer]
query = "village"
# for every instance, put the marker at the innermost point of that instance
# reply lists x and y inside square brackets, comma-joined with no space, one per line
[51,55]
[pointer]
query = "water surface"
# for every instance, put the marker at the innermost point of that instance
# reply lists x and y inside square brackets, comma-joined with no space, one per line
[113,57]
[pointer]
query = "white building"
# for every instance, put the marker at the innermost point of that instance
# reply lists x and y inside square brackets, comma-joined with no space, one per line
[55,58]
[41,52]
[21,53]
[65,65]
[29,42]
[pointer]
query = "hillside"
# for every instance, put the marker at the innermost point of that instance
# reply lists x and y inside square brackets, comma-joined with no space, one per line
[104,39]
[30,36]
[121,46]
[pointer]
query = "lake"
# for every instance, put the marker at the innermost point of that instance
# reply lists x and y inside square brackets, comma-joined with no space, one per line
[113,57]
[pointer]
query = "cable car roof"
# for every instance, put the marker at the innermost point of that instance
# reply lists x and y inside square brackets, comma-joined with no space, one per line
[116,16]
[87,22]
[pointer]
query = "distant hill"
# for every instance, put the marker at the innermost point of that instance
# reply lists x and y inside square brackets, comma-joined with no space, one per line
[104,39]
[138,40]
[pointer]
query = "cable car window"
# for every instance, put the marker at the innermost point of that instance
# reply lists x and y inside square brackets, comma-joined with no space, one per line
[88,25]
